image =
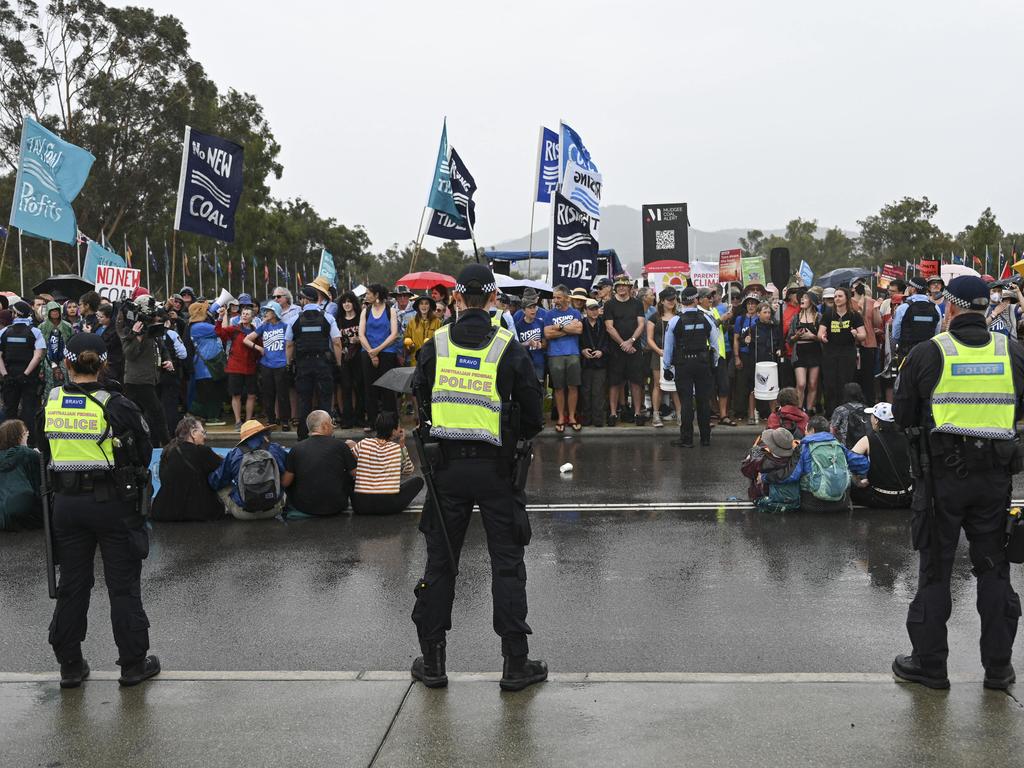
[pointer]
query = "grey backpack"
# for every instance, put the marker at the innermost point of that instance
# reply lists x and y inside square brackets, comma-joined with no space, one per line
[259,480]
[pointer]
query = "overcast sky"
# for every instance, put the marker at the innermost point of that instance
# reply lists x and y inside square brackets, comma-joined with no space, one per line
[752,112]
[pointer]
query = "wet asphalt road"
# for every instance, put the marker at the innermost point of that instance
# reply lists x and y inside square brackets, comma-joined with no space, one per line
[703,591]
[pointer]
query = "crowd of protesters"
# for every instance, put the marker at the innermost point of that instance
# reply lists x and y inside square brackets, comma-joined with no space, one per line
[309,362]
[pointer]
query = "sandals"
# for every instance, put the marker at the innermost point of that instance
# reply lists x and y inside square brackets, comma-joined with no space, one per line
[727,422]
[560,428]
[752,421]
[576,426]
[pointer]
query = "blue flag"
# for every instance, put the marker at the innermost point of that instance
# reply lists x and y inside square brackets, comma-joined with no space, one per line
[51,173]
[571,148]
[547,165]
[98,256]
[440,198]
[327,269]
[806,274]
[209,187]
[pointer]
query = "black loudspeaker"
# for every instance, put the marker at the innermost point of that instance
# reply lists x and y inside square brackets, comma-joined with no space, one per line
[780,273]
[501,267]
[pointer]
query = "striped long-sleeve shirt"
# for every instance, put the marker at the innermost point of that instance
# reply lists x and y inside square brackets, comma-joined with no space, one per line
[380,465]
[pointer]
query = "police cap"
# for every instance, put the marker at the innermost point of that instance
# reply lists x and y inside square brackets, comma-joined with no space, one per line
[84,342]
[475,279]
[918,283]
[688,295]
[22,309]
[967,292]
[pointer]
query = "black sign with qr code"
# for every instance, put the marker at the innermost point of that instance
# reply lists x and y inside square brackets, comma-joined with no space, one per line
[665,233]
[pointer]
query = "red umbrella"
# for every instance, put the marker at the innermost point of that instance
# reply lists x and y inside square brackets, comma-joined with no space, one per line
[424,281]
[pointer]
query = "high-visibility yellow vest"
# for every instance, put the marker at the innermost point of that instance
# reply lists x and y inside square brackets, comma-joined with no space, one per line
[721,333]
[975,395]
[464,402]
[496,318]
[76,429]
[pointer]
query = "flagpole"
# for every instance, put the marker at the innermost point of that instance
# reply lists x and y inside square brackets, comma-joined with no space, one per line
[216,272]
[254,275]
[21,264]
[78,254]
[167,273]
[51,256]
[529,250]
[148,284]
[241,272]
[184,255]
[199,269]
[419,239]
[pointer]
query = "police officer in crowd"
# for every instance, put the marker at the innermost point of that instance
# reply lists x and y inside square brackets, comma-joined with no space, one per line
[963,391]
[691,347]
[916,320]
[97,450]
[22,348]
[312,343]
[478,390]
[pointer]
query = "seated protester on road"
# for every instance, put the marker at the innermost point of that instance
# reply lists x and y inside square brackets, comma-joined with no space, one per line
[889,483]
[768,466]
[318,471]
[185,464]
[380,463]
[20,504]
[824,469]
[249,479]
[242,361]
[789,414]
[849,424]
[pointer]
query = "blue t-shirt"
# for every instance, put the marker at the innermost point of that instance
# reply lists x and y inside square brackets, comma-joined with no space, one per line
[271,336]
[740,326]
[528,332]
[564,345]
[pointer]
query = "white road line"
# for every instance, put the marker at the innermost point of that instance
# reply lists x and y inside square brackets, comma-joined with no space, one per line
[668,506]
[312,676]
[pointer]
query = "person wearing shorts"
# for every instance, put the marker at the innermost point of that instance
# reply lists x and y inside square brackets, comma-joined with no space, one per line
[562,328]
[241,363]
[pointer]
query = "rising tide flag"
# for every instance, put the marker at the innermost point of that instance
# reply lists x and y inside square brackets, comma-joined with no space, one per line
[440,198]
[573,254]
[210,185]
[462,186]
[547,165]
[51,173]
[571,149]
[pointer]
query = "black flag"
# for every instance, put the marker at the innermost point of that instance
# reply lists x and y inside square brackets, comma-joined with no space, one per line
[463,186]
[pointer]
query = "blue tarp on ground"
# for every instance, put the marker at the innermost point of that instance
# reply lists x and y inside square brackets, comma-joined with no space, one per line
[154,465]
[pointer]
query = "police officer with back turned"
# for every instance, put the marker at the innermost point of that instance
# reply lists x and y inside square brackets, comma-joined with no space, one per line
[97,450]
[479,395]
[959,394]
[313,345]
[691,346]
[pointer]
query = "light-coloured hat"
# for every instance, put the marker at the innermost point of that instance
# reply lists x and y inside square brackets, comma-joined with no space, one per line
[881,411]
[778,441]
[320,283]
[251,428]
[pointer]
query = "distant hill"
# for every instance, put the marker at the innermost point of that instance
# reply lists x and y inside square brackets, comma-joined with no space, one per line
[620,229]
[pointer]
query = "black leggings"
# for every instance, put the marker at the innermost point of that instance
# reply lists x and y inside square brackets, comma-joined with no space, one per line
[277,406]
[387,503]
[377,399]
[838,368]
[144,396]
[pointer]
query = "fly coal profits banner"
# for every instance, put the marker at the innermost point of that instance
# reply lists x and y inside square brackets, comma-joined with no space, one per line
[729,266]
[752,270]
[573,258]
[666,233]
[117,283]
[209,187]
[583,187]
[51,173]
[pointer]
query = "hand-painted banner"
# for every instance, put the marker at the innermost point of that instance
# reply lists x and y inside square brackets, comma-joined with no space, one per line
[210,185]
[98,256]
[327,270]
[752,270]
[573,258]
[929,267]
[547,165]
[117,283]
[440,197]
[51,173]
[583,188]
[729,265]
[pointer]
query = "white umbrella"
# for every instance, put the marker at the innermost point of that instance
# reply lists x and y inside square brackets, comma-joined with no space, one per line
[949,271]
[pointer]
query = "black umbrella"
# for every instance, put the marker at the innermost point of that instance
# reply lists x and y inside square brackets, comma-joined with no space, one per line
[64,287]
[397,380]
[844,276]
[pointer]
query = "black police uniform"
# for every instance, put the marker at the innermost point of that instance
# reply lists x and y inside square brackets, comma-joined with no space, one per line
[20,391]
[314,378]
[89,509]
[918,325]
[972,491]
[691,356]
[476,473]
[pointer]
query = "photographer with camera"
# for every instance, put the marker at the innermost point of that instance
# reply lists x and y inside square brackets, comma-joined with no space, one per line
[145,357]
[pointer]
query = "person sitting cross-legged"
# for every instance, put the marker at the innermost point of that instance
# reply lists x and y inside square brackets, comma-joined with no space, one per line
[824,469]
[381,461]
[319,470]
[249,479]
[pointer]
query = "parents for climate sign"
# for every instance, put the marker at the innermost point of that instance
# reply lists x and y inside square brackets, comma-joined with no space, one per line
[117,283]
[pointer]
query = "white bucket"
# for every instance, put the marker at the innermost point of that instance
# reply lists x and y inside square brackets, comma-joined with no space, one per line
[766,381]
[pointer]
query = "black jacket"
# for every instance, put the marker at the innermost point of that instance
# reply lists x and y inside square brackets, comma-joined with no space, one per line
[517,379]
[594,337]
[923,368]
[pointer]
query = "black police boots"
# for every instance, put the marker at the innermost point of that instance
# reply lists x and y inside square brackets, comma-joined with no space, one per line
[429,668]
[910,669]
[136,673]
[72,675]
[1000,678]
[520,671]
